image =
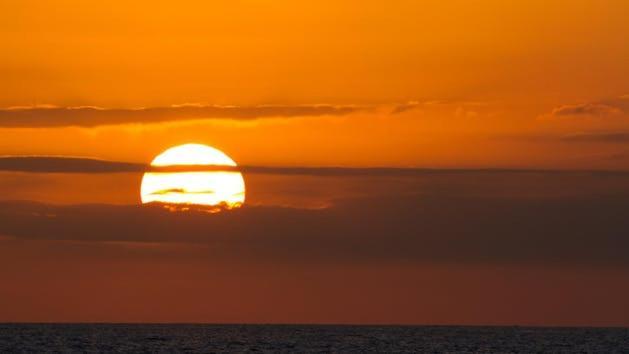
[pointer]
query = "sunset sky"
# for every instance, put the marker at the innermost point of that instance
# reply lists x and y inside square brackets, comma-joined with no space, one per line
[480,153]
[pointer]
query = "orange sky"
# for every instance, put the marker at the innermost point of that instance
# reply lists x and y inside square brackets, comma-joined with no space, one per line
[486,77]
[435,84]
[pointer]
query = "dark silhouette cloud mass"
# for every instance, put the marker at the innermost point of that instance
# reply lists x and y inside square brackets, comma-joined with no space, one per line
[51,116]
[413,228]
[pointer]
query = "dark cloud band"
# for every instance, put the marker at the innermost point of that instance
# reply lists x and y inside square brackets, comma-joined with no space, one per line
[61,164]
[58,164]
[598,137]
[414,228]
[34,117]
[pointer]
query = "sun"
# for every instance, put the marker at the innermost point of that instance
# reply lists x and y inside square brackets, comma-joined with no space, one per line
[194,187]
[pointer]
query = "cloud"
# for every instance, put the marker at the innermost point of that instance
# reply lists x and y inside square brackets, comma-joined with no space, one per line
[590,109]
[461,106]
[181,191]
[614,106]
[598,137]
[89,116]
[41,116]
[400,108]
[58,164]
[439,227]
[64,164]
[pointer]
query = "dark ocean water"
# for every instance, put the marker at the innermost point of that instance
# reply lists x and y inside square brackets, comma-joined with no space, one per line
[137,338]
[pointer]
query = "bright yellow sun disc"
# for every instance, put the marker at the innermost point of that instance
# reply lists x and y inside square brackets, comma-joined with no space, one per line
[212,188]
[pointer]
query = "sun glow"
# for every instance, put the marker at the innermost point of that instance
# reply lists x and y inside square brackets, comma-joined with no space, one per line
[205,188]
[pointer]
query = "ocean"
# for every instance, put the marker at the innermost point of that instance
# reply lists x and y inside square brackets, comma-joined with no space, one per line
[194,338]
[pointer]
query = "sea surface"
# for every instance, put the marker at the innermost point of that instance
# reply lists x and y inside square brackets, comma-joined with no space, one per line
[173,338]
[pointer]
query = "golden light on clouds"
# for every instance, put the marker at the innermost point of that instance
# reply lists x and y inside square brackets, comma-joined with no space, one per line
[209,188]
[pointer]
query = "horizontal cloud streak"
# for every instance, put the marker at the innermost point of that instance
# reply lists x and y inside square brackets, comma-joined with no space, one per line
[614,106]
[420,228]
[598,137]
[62,164]
[50,116]
[459,105]
[593,109]
[54,164]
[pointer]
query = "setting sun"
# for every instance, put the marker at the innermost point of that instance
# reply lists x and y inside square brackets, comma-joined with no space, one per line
[196,187]
[421,176]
